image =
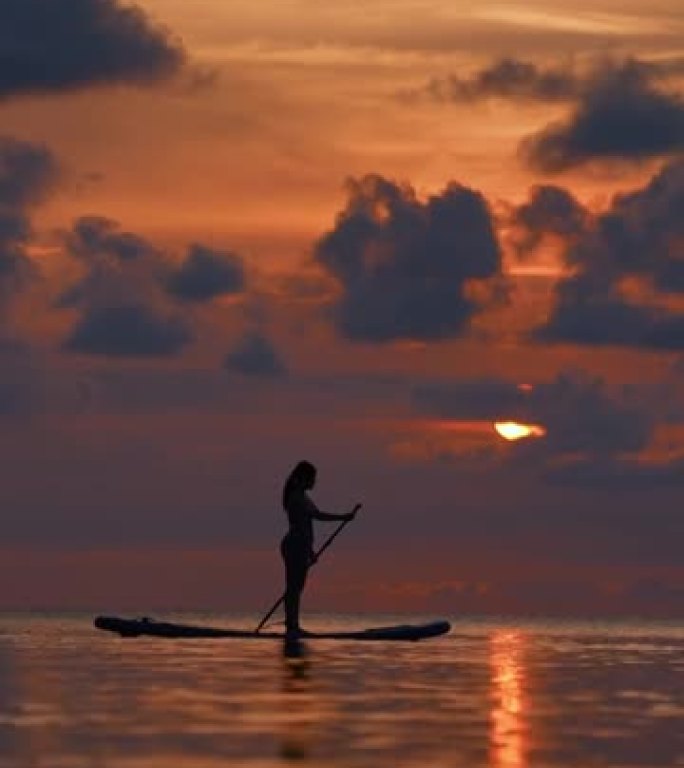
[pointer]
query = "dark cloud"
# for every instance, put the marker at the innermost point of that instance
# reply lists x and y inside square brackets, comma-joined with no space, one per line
[129,290]
[550,210]
[120,267]
[49,46]
[507,78]
[206,274]
[580,413]
[511,78]
[621,116]
[597,436]
[640,236]
[121,297]
[607,319]
[470,399]
[593,489]
[128,331]
[96,237]
[16,268]
[405,266]
[255,355]
[583,415]
[625,109]
[643,232]
[124,261]
[27,174]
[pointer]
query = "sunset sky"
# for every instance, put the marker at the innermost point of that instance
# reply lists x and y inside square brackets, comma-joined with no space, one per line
[237,234]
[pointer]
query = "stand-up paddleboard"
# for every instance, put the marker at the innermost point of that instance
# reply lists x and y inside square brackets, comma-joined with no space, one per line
[150,628]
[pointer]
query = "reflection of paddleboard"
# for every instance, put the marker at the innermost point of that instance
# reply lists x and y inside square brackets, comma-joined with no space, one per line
[150,628]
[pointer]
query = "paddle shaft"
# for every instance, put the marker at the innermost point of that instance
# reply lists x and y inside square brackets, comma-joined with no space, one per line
[281,599]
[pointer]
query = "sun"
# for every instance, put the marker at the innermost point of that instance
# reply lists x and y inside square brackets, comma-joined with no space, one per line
[512,430]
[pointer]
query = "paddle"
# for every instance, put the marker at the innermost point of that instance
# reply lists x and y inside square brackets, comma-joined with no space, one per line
[330,540]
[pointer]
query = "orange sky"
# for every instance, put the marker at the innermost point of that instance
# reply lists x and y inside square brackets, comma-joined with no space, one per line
[248,150]
[305,96]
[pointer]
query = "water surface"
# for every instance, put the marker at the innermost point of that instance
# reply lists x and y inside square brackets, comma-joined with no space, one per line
[495,693]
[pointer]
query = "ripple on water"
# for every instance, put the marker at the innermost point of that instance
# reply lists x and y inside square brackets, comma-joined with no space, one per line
[497,694]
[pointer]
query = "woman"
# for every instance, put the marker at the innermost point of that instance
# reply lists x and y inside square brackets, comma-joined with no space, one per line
[297,545]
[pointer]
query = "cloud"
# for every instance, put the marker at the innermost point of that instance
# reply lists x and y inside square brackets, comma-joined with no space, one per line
[581,414]
[516,79]
[120,267]
[490,399]
[96,237]
[641,236]
[115,258]
[405,267]
[550,210]
[133,330]
[49,46]
[607,319]
[28,172]
[507,78]
[255,355]
[206,274]
[643,232]
[596,435]
[16,268]
[621,116]
[623,109]
[123,306]
[130,293]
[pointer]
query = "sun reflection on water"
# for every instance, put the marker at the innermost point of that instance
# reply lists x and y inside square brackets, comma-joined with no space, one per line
[508,727]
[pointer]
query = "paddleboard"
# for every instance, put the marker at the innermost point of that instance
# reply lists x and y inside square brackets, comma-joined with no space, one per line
[150,628]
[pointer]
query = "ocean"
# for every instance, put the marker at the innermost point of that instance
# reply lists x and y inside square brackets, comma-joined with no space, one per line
[501,693]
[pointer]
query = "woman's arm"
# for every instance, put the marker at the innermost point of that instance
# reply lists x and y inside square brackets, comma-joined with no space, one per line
[316,514]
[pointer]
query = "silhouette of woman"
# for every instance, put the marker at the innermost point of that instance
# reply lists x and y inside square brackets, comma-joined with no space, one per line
[297,545]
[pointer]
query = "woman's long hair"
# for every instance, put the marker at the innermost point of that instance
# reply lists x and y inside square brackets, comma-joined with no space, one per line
[302,476]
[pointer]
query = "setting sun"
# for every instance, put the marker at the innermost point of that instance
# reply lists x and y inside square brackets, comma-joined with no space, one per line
[511,430]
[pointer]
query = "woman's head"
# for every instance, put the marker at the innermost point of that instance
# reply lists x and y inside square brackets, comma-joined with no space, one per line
[302,477]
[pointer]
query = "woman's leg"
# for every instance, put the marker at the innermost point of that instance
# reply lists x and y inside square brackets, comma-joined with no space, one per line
[295,578]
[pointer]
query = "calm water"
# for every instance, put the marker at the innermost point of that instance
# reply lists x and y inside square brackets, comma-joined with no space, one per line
[493,693]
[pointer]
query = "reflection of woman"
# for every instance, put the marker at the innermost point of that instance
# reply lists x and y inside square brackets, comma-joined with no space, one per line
[299,727]
[297,545]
